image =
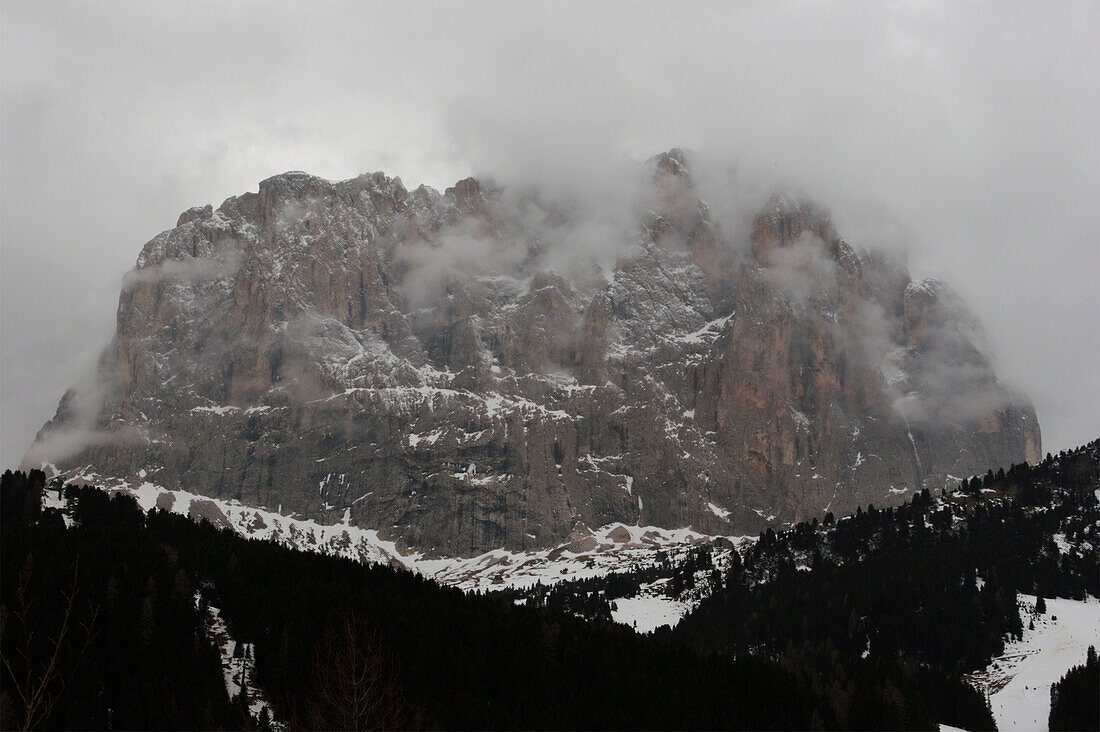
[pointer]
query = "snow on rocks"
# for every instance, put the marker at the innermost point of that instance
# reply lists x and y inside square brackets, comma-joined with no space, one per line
[591,553]
[719,511]
[708,332]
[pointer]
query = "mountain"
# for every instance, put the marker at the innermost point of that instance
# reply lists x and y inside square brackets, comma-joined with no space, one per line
[468,370]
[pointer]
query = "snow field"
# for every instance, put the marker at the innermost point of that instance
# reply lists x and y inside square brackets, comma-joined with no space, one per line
[1018,681]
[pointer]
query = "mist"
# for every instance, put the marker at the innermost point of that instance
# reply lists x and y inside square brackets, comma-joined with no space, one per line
[963,135]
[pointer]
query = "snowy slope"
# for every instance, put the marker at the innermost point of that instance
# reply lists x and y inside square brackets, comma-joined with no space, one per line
[1018,681]
[589,553]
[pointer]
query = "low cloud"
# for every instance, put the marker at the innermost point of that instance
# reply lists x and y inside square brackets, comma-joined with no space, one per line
[803,270]
[974,124]
[187,269]
[78,425]
[433,265]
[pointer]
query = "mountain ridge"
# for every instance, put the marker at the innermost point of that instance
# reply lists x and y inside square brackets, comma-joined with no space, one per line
[466,370]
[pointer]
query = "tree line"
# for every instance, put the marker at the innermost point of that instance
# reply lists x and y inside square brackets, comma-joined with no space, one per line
[866,622]
[336,644]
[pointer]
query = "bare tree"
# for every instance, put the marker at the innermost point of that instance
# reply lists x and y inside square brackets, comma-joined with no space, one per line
[354,687]
[44,676]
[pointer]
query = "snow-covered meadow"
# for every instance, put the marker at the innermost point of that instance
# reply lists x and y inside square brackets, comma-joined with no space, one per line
[1018,681]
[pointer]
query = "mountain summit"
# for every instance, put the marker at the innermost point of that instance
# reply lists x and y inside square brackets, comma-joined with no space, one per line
[477,369]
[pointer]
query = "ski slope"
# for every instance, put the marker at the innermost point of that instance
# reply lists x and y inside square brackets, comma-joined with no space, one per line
[1018,681]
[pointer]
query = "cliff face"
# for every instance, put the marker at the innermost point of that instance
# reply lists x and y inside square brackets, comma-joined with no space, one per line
[414,362]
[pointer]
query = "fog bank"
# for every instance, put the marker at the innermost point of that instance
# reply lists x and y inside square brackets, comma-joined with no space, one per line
[966,132]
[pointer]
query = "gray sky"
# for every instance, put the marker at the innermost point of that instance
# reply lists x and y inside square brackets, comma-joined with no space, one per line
[978,125]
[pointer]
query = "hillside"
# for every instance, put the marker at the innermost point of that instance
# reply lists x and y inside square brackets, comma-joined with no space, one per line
[869,621]
[138,652]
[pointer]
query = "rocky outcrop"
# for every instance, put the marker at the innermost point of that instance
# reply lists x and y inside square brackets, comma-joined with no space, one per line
[420,363]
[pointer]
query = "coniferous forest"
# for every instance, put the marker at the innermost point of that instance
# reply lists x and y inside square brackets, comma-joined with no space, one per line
[134,655]
[867,622]
[933,582]
[1075,699]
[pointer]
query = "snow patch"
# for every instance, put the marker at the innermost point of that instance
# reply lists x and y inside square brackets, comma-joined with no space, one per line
[221,411]
[1063,545]
[719,511]
[708,332]
[646,614]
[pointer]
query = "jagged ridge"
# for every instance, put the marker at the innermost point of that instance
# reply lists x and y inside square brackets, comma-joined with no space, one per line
[429,366]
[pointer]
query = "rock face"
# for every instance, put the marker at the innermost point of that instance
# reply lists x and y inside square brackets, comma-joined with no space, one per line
[424,364]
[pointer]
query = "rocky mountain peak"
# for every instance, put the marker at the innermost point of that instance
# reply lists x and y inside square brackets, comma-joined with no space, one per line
[466,194]
[292,186]
[786,217]
[671,163]
[432,366]
[195,213]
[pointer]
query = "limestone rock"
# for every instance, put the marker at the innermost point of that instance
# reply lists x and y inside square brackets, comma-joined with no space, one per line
[417,363]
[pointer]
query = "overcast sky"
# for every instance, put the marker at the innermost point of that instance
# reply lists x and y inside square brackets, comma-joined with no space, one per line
[977,124]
